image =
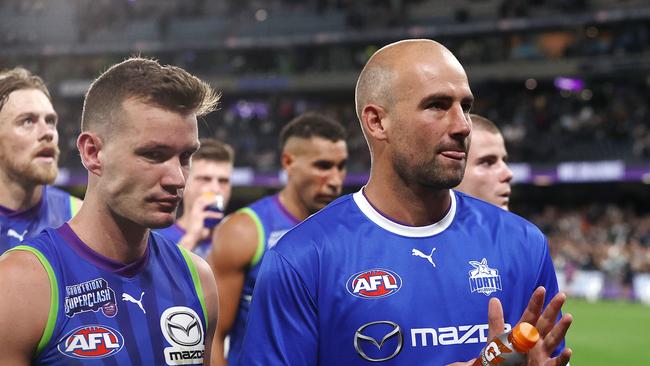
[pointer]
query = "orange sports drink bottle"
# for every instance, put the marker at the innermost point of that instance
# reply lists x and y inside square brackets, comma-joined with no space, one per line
[216,206]
[509,349]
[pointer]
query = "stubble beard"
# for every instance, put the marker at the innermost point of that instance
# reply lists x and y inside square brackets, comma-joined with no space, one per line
[430,174]
[31,172]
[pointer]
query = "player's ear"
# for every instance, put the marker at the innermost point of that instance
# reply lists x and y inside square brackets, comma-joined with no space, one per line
[286,160]
[89,145]
[374,121]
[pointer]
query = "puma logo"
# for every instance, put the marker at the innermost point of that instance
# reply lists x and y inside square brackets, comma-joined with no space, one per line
[129,298]
[418,253]
[14,234]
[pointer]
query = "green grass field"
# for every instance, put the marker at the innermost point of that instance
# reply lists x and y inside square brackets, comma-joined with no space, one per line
[609,333]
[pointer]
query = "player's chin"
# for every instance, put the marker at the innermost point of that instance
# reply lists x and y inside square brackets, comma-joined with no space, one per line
[323,201]
[159,220]
[502,201]
[45,173]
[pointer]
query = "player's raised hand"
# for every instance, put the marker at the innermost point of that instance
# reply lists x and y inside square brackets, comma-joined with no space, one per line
[196,231]
[551,333]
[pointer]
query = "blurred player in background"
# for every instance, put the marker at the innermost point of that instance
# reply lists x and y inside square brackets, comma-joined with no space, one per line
[28,160]
[314,156]
[209,180]
[487,175]
[404,269]
[103,287]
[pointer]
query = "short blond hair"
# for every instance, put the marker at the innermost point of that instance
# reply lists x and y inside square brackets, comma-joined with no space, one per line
[167,87]
[19,78]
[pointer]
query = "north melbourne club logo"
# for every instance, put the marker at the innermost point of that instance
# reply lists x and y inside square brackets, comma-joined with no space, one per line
[483,279]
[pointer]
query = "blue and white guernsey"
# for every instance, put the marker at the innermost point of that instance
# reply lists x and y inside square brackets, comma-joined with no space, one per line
[150,312]
[55,208]
[349,286]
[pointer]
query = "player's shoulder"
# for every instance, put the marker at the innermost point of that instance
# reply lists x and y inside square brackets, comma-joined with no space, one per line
[46,241]
[250,216]
[41,251]
[161,240]
[470,208]
[262,203]
[242,224]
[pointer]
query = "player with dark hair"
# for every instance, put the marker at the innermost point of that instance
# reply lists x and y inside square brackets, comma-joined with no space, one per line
[103,288]
[314,156]
[209,181]
[403,271]
[487,175]
[28,160]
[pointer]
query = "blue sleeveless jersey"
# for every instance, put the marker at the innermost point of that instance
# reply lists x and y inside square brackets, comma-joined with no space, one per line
[272,220]
[55,208]
[174,233]
[150,312]
[349,286]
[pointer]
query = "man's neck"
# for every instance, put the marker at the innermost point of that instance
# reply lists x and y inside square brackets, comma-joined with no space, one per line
[17,196]
[113,237]
[182,221]
[289,199]
[412,205]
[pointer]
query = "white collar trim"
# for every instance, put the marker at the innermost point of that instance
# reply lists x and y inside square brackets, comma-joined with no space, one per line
[404,230]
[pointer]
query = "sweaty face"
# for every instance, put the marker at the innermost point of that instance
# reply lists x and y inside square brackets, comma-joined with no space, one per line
[28,138]
[207,176]
[429,124]
[487,175]
[317,170]
[145,163]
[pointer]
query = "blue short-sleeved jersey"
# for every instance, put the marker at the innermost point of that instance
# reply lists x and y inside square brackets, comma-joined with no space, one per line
[349,286]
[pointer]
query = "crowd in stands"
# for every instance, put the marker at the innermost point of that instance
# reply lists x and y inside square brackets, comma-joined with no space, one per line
[584,43]
[612,238]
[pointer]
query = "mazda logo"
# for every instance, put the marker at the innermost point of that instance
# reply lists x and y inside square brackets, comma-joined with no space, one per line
[394,330]
[181,326]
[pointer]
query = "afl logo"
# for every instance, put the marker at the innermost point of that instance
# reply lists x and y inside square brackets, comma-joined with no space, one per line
[91,341]
[374,283]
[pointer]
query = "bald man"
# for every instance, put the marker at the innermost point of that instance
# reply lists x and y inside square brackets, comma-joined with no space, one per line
[403,270]
[314,156]
[487,175]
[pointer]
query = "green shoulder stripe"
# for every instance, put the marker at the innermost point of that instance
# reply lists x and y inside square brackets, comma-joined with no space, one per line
[197,282]
[261,235]
[54,299]
[75,205]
